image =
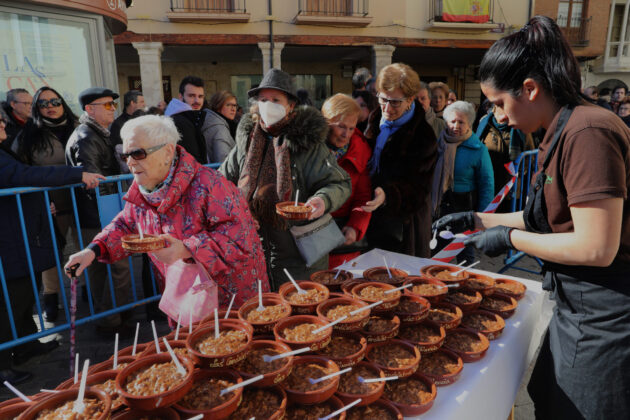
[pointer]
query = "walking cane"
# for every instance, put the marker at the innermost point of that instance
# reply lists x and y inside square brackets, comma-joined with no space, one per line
[73,312]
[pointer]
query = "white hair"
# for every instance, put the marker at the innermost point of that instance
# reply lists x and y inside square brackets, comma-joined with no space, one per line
[155,129]
[461,107]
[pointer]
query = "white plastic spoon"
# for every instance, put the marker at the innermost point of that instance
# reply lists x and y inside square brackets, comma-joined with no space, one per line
[227,314]
[447,234]
[270,359]
[180,369]
[115,365]
[135,339]
[260,304]
[341,410]
[370,306]
[76,368]
[297,286]
[456,273]
[367,381]
[387,267]
[79,404]
[179,323]
[331,324]
[17,392]
[332,375]
[387,292]
[140,231]
[433,242]
[241,385]
[297,194]
[155,338]
[216,323]
[339,270]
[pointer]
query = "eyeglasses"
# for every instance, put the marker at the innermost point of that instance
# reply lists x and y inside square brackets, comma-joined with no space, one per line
[45,103]
[110,106]
[394,103]
[140,154]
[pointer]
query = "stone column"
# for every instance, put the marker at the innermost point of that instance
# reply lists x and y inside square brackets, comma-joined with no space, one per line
[265,48]
[382,57]
[150,71]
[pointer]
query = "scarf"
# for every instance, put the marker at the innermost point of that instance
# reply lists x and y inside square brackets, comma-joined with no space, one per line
[338,151]
[443,177]
[86,119]
[266,176]
[158,194]
[55,122]
[387,129]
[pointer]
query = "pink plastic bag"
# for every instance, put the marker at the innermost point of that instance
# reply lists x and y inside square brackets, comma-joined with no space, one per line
[188,288]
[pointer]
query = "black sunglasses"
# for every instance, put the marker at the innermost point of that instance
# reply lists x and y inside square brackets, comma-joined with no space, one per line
[45,103]
[140,154]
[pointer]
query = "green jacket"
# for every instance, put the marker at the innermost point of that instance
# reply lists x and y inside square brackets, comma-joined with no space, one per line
[315,173]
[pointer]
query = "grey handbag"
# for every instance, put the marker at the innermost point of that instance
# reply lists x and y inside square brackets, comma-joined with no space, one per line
[317,239]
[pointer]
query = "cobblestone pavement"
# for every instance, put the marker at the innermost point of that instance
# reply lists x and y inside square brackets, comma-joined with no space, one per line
[53,368]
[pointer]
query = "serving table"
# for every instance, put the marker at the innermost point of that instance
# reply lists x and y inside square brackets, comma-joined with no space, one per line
[487,388]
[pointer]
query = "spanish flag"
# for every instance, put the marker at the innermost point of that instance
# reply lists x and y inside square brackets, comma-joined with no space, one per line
[475,11]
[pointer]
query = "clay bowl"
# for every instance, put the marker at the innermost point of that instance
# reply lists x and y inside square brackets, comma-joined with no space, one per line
[109,365]
[480,283]
[509,287]
[384,404]
[374,336]
[380,274]
[466,299]
[447,324]
[346,286]
[183,335]
[16,400]
[218,360]
[262,328]
[279,413]
[366,398]
[315,344]
[303,308]
[434,290]
[389,302]
[327,278]
[334,402]
[128,350]
[412,409]
[491,332]
[435,272]
[270,378]
[62,397]
[12,411]
[507,308]
[467,355]
[323,392]
[401,371]
[164,413]
[101,378]
[179,344]
[355,323]
[162,399]
[442,379]
[220,411]
[133,243]
[289,210]
[410,333]
[412,309]
[347,359]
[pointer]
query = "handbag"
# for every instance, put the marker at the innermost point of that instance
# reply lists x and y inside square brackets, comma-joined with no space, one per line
[189,292]
[317,239]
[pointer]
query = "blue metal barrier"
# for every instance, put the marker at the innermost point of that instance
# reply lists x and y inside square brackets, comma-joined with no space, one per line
[527,166]
[109,206]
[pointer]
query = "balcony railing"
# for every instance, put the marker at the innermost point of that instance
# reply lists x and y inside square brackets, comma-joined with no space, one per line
[440,12]
[208,6]
[577,30]
[333,12]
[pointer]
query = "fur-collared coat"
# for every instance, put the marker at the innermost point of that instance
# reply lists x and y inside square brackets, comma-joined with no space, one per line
[314,172]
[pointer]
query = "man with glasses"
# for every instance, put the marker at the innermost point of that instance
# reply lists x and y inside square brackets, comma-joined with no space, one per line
[18,109]
[89,147]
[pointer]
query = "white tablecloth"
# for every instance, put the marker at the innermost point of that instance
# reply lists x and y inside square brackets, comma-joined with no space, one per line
[487,388]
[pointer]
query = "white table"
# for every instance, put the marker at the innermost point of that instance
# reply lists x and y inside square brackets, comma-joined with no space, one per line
[486,389]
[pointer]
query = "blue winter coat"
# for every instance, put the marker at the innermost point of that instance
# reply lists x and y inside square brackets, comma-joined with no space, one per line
[13,174]
[473,171]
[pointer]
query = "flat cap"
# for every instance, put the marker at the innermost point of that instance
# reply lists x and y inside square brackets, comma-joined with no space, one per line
[89,95]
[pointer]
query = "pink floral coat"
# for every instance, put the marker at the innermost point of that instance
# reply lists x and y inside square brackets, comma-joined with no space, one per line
[207,213]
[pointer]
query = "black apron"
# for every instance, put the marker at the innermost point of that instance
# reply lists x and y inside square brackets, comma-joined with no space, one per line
[583,369]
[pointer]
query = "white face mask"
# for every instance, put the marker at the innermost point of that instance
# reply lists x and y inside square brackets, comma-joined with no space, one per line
[271,112]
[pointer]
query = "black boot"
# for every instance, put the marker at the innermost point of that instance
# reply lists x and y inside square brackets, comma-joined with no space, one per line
[51,310]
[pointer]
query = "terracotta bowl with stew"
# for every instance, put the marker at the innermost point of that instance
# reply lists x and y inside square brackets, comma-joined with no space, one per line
[500,304]
[470,345]
[220,411]
[382,404]
[165,413]
[466,299]
[480,283]
[264,327]
[355,323]
[412,309]
[447,322]
[333,403]
[293,322]
[12,411]
[99,379]
[389,348]
[410,409]
[207,332]
[389,301]
[357,347]
[368,397]
[255,410]
[289,210]
[272,377]
[60,398]
[441,273]
[109,364]
[391,324]
[321,393]
[327,278]
[488,323]
[133,243]
[509,287]
[346,286]
[179,347]
[427,336]
[309,307]
[380,274]
[161,399]
[431,290]
[443,367]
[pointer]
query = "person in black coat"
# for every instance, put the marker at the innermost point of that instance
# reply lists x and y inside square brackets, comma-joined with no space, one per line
[14,173]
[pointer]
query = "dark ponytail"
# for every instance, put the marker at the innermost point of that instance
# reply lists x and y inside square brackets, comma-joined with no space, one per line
[538,51]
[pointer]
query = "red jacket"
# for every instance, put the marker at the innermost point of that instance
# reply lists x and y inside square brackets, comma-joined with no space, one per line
[355,162]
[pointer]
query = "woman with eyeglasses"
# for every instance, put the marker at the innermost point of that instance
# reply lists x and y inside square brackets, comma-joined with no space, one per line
[219,127]
[203,217]
[352,152]
[402,164]
[42,142]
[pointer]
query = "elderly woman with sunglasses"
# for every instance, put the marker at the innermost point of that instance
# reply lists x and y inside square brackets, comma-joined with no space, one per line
[200,214]
[402,164]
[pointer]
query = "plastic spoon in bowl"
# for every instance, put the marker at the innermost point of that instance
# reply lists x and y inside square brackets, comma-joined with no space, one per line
[362,380]
[389,273]
[197,417]
[50,391]
[180,369]
[433,242]
[140,231]
[179,323]
[135,340]
[115,365]
[387,292]
[76,368]
[155,338]
[297,194]
[341,410]
[370,306]
[330,324]
[270,359]
[339,270]
[227,313]
[79,404]
[297,286]
[216,323]
[17,392]
[260,304]
[456,273]
[332,375]
[240,385]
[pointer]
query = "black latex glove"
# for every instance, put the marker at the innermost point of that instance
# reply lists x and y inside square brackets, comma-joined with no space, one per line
[492,242]
[458,222]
